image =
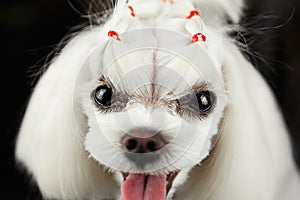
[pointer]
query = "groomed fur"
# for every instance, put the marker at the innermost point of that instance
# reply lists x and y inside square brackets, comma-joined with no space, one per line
[252,159]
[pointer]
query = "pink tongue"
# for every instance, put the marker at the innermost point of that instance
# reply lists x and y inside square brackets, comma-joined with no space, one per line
[144,187]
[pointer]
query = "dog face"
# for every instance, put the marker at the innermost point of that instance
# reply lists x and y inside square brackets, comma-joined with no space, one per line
[148,105]
[153,108]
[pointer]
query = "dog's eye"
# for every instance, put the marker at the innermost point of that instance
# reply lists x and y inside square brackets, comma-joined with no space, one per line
[103,96]
[203,102]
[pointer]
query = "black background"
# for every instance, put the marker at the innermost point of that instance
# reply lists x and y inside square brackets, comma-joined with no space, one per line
[30,29]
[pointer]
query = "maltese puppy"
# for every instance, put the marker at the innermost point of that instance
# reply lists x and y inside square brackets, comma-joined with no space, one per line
[157,103]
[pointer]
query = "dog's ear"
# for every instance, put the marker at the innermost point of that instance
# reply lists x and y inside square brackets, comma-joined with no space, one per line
[49,142]
[253,127]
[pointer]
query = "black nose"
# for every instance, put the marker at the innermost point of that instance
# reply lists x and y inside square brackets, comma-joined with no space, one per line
[143,145]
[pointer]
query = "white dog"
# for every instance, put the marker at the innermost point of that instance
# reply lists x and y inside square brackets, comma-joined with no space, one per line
[157,103]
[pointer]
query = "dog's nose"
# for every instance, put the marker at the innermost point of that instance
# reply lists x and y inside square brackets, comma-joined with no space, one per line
[143,145]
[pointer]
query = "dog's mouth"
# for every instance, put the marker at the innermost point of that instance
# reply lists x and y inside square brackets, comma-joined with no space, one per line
[146,186]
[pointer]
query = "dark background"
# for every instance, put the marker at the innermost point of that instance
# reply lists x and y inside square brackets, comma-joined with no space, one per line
[30,29]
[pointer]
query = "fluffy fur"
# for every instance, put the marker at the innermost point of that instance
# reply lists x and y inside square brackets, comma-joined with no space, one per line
[59,142]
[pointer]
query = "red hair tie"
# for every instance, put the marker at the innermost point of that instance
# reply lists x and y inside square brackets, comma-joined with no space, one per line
[195,38]
[113,34]
[192,14]
[131,11]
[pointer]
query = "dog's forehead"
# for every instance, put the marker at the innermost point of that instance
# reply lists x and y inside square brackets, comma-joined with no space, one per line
[172,62]
[153,66]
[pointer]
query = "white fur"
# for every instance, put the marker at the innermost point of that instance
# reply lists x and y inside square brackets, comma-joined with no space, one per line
[59,141]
